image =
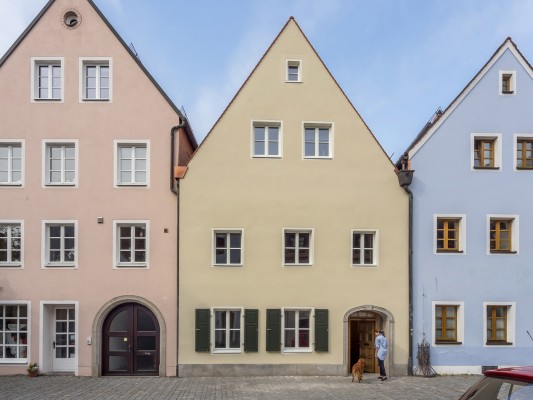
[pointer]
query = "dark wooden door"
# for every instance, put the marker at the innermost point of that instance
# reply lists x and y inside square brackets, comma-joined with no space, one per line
[130,341]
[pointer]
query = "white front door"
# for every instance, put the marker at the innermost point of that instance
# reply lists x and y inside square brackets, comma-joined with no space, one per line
[64,339]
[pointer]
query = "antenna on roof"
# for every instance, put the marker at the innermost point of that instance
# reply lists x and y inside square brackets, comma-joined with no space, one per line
[132,48]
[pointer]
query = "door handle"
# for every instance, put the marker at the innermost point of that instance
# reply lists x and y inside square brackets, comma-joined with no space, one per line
[54,344]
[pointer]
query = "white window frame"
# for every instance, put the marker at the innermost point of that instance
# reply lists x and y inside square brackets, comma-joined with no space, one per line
[511,323]
[47,143]
[98,62]
[10,143]
[130,143]
[35,63]
[27,303]
[214,248]
[512,92]
[497,137]
[117,264]
[12,264]
[309,349]
[267,124]
[516,138]
[375,247]
[45,245]
[239,350]
[316,126]
[293,63]
[311,232]
[515,234]
[462,234]
[460,323]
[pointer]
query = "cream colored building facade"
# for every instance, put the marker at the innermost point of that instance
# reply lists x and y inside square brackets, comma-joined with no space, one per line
[293,231]
[88,231]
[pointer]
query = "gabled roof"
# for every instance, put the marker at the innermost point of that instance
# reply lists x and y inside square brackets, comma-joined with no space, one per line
[434,124]
[26,31]
[259,63]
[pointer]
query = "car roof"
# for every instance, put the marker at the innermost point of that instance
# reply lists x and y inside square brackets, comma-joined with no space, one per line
[521,373]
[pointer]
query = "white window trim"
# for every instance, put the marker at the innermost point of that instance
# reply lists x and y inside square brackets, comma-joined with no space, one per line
[46,60]
[460,323]
[22,143]
[20,361]
[513,83]
[44,245]
[95,61]
[375,247]
[516,138]
[511,323]
[497,137]
[213,246]
[116,145]
[240,350]
[462,234]
[292,62]
[515,230]
[15,265]
[311,246]
[311,330]
[116,248]
[318,124]
[45,143]
[267,123]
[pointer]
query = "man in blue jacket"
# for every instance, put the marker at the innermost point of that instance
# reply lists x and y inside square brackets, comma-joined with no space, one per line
[381,353]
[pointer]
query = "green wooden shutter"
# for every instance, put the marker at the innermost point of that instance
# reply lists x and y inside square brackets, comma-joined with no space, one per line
[321,330]
[273,334]
[251,325]
[202,325]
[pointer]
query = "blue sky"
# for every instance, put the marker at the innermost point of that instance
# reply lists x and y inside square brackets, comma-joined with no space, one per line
[397,60]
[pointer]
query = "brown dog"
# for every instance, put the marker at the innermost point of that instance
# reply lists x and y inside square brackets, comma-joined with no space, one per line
[358,369]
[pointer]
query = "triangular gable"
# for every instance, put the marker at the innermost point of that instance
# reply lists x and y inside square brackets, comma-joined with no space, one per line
[259,63]
[34,22]
[428,131]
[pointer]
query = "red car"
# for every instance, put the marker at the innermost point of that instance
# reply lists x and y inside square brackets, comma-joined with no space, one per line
[503,384]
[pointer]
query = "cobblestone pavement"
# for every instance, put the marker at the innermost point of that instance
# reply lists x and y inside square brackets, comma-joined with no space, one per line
[251,388]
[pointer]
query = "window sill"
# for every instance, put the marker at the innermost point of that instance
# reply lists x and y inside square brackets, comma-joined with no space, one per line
[508,92]
[13,361]
[57,265]
[498,343]
[227,351]
[524,168]
[487,168]
[132,265]
[10,265]
[95,100]
[364,265]
[228,265]
[39,100]
[292,350]
[297,265]
[449,251]
[318,157]
[132,184]
[299,81]
[10,184]
[53,184]
[440,343]
[266,156]
[502,252]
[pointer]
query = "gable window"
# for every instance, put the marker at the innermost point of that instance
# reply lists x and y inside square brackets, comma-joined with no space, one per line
[318,141]
[10,244]
[501,235]
[266,140]
[131,243]
[294,71]
[486,151]
[60,244]
[524,153]
[14,321]
[446,323]
[10,163]
[364,248]
[507,82]
[60,163]
[132,163]
[227,331]
[297,247]
[297,330]
[228,247]
[95,79]
[47,79]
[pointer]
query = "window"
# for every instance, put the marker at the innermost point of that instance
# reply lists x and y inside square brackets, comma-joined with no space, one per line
[13,333]
[60,163]
[297,330]
[486,151]
[60,244]
[267,139]
[524,153]
[364,248]
[228,247]
[47,81]
[10,244]
[132,163]
[499,323]
[297,247]
[294,71]
[95,79]
[502,228]
[447,234]
[131,243]
[10,163]
[446,323]
[318,141]
[507,82]
[227,331]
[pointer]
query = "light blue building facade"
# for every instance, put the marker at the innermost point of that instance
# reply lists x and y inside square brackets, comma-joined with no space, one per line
[472,216]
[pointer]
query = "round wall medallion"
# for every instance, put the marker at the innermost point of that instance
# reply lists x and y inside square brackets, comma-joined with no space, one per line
[71,19]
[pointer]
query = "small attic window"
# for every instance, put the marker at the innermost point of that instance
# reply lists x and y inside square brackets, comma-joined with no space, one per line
[507,82]
[71,19]
[294,71]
